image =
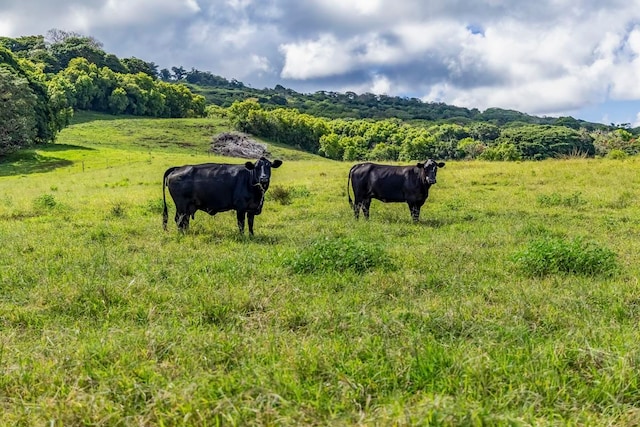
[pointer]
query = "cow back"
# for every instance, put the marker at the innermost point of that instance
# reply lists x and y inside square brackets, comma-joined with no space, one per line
[213,187]
[388,183]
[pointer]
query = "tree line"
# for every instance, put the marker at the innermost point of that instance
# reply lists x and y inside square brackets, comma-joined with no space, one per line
[394,139]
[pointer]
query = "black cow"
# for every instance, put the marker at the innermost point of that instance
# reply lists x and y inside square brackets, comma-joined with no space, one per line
[387,183]
[213,188]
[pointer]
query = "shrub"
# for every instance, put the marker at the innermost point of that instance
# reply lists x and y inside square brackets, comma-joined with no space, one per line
[44,202]
[553,255]
[340,254]
[617,155]
[384,151]
[118,210]
[502,152]
[285,195]
[280,194]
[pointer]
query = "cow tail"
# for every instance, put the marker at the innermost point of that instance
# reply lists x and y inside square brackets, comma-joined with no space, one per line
[348,182]
[165,214]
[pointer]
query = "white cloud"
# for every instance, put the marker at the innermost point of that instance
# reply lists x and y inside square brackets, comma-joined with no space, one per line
[260,63]
[380,85]
[239,4]
[6,24]
[137,12]
[361,7]
[323,57]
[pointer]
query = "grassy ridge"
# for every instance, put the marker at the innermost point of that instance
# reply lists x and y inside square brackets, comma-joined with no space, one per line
[107,319]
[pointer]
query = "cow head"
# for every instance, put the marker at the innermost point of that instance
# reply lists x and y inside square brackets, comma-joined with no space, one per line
[429,170]
[261,171]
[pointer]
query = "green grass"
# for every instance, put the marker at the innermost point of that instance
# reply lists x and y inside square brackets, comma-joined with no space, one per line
[320,319]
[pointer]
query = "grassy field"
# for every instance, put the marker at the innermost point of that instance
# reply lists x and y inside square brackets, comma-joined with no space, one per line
[515,300]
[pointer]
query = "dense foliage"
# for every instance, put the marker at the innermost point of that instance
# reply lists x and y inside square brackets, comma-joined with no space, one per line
[220,91]
[27,115]
[43,82]
[392,139]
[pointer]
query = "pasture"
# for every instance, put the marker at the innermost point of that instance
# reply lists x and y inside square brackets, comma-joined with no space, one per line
[515,300]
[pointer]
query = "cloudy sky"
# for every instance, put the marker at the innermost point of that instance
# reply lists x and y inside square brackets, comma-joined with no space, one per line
[544,57]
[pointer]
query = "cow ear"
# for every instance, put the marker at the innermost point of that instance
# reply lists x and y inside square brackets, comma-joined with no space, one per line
[249,166]
[420,165]
[276,163]
[441,164]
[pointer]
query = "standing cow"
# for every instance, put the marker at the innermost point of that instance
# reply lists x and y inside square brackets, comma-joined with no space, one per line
[214,188]
[387,183]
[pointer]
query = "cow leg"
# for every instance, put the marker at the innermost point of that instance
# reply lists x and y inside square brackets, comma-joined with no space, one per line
[182,220]
[366,203]
[356,209]
[240,215]
[250,218]
[415,212]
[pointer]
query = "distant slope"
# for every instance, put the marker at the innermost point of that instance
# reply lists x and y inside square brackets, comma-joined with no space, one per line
[333,105]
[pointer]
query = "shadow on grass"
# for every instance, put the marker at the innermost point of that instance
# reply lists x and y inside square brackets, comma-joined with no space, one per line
[427,219]
[83,116]
[30,161]
[433,222]
[232,235]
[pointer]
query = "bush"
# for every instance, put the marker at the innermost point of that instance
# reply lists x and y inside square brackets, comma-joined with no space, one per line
[553,255]
[280,194]
[44,202]
[285,195]
[340,254]
[617,155]
[502,152]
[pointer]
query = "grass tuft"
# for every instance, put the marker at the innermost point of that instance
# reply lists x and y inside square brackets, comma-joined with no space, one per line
[285,195]
[281,194]
[554,255]
[118,210]
[44,202]
[341,254]
[574,200]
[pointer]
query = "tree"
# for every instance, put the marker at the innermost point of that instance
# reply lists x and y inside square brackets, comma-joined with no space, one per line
[60,36]
[78,47]
[239,114]
[355,148]
[178,73]
[83,76]
[330,146]
[165,75]
[113,63]
[17,121]
[118,101]
[48,120]
[536,142]
[134,66]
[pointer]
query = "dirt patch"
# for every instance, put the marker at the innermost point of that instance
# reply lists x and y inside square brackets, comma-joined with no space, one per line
[237,144]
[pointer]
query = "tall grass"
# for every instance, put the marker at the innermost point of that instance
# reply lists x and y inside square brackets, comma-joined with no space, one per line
[318,319]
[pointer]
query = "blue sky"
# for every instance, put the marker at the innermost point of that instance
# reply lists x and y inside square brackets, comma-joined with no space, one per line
[548,58]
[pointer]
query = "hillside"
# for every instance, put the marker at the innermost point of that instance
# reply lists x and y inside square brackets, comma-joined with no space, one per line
[329,104]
